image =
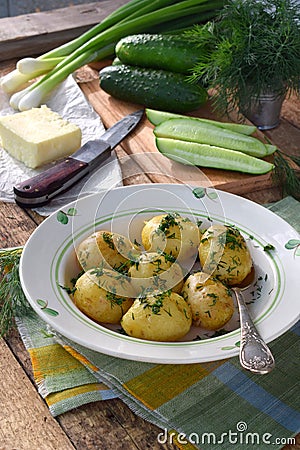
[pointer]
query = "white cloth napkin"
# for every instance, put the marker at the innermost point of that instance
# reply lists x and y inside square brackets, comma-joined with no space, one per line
[69,101]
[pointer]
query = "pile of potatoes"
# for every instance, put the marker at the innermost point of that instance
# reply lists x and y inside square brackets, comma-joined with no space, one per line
[146,289]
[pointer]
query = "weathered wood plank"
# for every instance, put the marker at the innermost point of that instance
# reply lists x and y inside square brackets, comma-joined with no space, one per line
[15,225]
[111,425]
[25,421]
[34,34]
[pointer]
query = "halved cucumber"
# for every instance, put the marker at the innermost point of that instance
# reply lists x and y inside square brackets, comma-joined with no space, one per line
[192,130]
[156,117]
[204,155]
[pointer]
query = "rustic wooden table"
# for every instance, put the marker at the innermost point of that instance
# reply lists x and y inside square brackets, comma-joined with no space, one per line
[25,421]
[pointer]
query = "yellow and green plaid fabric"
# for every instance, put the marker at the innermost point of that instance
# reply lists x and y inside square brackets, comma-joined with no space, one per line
[216,403]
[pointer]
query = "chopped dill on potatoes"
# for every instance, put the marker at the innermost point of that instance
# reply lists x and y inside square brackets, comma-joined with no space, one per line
[108,238]
[123,268]
[157,263]
[158,304]
[68,290]
[167,222]
[71,290]
[98,271]
[146,290]
[168,257]
[114,299]
[232,240]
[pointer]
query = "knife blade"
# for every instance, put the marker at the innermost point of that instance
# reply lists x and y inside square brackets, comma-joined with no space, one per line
[40,189]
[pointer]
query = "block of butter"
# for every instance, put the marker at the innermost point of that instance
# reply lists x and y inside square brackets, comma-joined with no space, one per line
[38,136]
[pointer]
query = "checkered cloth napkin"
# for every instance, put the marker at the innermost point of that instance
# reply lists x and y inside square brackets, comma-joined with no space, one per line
[215,403]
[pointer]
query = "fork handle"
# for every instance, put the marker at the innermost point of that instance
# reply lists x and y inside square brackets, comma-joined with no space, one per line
[255,355]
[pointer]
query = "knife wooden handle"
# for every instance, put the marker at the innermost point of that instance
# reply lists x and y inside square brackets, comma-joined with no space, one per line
[52,180]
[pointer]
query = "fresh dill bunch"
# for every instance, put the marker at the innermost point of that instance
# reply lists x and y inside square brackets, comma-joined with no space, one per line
[12,299]
[256,50]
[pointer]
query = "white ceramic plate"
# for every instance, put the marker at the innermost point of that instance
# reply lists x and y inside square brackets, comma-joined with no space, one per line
[49,262]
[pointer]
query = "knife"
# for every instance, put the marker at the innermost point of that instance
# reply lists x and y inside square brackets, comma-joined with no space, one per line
[40,189]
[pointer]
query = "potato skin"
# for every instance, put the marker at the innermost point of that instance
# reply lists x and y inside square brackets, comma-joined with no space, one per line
[105,248]
[210,301]
[172,234]
[98,295]
[224,254]
[166,317]
[155,272]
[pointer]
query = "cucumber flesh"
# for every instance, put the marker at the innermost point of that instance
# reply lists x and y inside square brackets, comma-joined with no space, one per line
[156,117]
[192,130]
[270,149]
[192,153]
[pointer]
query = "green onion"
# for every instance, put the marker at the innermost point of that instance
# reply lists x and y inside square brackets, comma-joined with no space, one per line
[16,79]
[34,95]
[99,43]
[31,65]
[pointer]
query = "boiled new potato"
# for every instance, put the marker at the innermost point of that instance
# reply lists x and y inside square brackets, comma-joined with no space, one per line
[105,248]
[172,234]
[224,254]
[165,317]
[102,294]
[210,301]
[154,271]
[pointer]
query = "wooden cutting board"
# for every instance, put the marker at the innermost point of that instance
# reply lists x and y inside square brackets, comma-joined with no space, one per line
[139,151]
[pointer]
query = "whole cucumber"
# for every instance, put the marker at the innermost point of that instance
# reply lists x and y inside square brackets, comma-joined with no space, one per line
[158,51]
[158,89]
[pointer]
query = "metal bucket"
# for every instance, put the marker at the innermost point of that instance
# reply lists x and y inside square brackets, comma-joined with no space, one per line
[264,111]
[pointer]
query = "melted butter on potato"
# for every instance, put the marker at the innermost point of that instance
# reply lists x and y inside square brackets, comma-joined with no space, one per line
[154,271]
[105,248]
[164,317]
[224,254]
[210,301]
[172,234]
[103,295]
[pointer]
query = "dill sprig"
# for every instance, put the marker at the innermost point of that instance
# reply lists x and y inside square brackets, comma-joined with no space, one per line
[12,299]
[286,175]
[254,48]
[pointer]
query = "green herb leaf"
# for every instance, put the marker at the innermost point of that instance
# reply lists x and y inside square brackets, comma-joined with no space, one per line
[212,195]
[41,303]
[51,312]
[72,212]
[199,192]
[62,217]
[292,243]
